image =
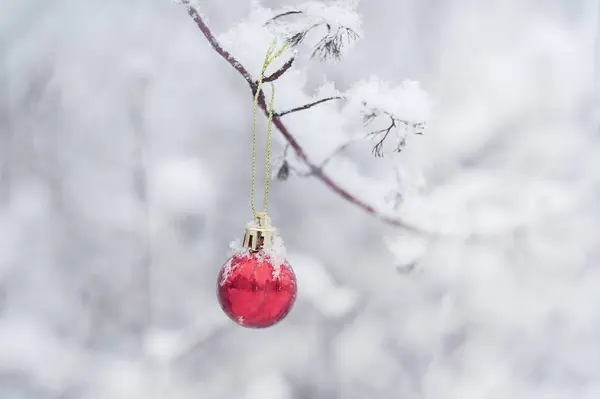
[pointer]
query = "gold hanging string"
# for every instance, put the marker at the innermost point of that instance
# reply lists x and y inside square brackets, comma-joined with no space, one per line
[269,58]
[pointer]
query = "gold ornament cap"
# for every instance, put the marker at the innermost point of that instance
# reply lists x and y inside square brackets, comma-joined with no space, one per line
[260,234]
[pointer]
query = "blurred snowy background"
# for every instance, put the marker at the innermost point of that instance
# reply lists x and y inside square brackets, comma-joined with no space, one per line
[107,287]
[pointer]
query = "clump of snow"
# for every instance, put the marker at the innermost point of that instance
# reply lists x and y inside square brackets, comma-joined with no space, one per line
[405,101]
[326,90]
[236,247]
[276,254]
[196,5]
[338,14]
[337,19]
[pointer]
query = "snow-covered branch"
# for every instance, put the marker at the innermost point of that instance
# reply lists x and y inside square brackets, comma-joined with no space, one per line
[214,43]
[314,169]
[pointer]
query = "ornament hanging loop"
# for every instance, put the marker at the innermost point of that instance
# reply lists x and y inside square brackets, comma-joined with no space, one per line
[269,58]
[259,234]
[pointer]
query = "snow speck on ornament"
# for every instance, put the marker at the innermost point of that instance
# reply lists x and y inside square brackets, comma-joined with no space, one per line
[182,185]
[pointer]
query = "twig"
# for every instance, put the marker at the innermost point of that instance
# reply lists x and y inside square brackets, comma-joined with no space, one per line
[277,74]
[307,106]
[314,169]
[378,149]
[283,15]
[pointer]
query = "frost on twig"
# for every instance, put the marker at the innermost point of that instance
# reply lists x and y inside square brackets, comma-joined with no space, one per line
[337,22]
[402,110]
[394,125]
[399,110]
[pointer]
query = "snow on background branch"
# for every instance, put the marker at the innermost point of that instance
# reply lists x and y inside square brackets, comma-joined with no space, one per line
[509,150]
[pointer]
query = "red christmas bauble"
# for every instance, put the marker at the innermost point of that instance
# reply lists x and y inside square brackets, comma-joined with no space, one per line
[255,290]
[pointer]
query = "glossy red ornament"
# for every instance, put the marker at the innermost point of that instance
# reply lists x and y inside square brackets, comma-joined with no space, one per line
[255,290]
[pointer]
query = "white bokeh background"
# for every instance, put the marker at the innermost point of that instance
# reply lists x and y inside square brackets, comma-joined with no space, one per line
[511,150]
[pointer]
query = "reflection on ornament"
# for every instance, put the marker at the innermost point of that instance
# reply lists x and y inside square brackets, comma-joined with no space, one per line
[257,287]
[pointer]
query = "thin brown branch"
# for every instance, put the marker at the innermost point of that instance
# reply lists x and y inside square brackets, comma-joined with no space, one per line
[285,14]
[307,106]
[314,169]
[277,74]
[378,149]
